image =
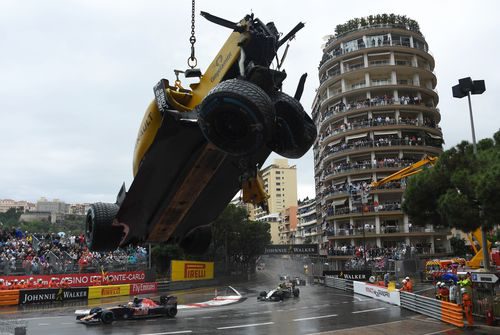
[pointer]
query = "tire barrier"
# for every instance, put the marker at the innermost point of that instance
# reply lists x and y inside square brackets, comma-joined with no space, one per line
[9,297]
[437,309]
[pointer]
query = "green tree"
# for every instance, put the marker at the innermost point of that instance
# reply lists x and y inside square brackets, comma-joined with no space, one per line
[10,218]
[458,247]
[461,191]
[236,241]
[162,254]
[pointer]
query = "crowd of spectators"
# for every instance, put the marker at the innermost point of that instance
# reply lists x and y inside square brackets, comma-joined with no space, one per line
[377,257]
[374,101]
[330,210]
[25,253]
[411,140]
[389,162]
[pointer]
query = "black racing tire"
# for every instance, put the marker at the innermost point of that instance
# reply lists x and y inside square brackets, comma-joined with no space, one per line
[197,240]
[237,117]
[100,234]
[295,131]
[296,292]
[107,317]
[172,312]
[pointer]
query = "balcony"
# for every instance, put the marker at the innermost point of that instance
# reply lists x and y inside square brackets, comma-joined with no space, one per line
[379,145]
[328,58]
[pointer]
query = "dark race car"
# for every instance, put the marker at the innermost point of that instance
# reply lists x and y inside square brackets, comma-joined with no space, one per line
[279,294]
[297,281]
[138,309]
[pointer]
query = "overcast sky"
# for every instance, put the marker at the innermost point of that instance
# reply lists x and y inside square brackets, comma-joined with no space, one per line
[76,77]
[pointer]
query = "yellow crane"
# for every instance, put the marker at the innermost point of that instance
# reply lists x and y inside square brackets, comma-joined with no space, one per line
[475,237]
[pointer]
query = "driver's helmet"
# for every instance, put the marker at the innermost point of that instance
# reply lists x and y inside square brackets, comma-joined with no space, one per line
[136,301]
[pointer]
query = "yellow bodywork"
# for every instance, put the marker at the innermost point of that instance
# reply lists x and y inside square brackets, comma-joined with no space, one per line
[183,100]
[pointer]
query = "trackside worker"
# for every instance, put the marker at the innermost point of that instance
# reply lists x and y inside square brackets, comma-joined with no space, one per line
[22,284]
[445,292]
[39,284]
[403,285]
[53,282]
[409,285]
[438,290]
[15,285]
[31,283]
[2,284]
[467,305]
[453,292]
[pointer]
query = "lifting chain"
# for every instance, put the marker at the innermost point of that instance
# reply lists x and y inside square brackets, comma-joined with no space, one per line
[192,61]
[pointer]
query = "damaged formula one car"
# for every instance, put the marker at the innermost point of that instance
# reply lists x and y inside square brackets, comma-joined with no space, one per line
[138,309]
[197,147]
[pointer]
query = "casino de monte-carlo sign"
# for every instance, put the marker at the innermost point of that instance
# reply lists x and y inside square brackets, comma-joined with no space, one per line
[291,249]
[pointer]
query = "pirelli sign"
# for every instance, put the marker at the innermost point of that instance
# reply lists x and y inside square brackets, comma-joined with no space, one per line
[191,270]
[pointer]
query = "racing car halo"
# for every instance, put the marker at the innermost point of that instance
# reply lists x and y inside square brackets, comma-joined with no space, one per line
[196,148]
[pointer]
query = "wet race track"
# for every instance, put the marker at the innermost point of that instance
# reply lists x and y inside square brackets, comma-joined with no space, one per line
[318,310]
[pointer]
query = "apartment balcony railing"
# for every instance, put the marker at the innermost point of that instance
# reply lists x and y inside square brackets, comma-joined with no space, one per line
[385,142]
[340,52]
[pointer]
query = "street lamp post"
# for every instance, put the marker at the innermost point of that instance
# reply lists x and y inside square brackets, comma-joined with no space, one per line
[466,87]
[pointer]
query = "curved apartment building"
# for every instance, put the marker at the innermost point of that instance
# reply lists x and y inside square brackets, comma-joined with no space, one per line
[376,112]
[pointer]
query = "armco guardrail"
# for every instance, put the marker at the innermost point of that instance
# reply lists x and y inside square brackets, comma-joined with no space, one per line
[334,282]
[437,309]
[339,283]
[349,286]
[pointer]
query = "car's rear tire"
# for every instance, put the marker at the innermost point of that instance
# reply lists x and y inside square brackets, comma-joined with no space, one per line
[295,131]
[172,312]
[107,317]
[100,234]
[237,116]
[296,292]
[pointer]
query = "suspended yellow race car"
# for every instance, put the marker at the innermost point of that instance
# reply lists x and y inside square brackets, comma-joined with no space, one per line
[197,147]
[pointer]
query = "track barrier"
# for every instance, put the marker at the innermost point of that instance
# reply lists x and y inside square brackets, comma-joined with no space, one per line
[42,295]
[9,297]
[437,309]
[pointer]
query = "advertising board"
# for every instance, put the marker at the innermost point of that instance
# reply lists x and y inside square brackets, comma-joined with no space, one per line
[52,295]
[142,288]
[191,270]
[360,275]
[377,292]
[87,279]
[108,291]
[291,249]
